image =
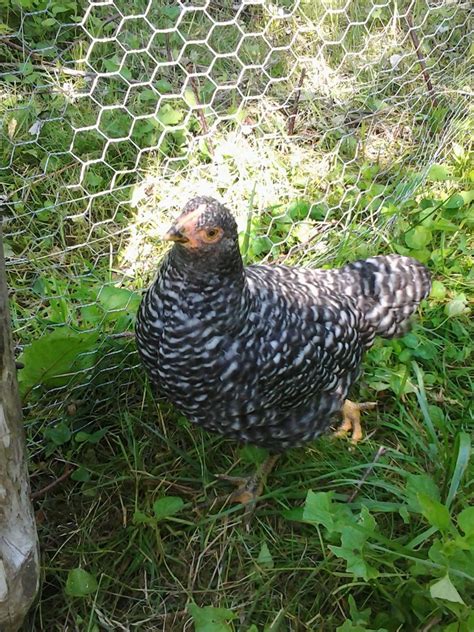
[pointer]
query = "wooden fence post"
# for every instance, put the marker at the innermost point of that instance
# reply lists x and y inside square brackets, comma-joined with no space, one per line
[19,554]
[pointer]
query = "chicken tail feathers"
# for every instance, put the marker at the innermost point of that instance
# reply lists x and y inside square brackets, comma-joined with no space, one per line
[392,288]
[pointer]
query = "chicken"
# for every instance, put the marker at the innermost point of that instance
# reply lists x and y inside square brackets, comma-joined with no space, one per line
[265,354]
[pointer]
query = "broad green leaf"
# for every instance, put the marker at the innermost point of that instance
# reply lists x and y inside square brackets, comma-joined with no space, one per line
[59,435]
[59,8]
[421,348]
[148,95]
[209,619]
[171,12]
[455,201]
[358,616]
[113,305]
[467,196]
[167,506]
[426,216]
[350,626]
[53,359]
[318,211]
[169,115]
[90,437]
[411,340]
[140,517]
[400,382]
[461,626]
[436,513]
[423,255]
[353,539]
[295,514]
[92,314]
[438,290]
[416,484]
[426,350]
[298,209]
[444,589]
[378,385]
[80,583]
[26,68]
[319,509]
[437,416]
[457,306]
[260,245]
[118,298]
[190,98]
[351,552]
[466,520]
[162,85]
[283,220]
[456,555]
[265,559]
[359,619]
[418,237]
[81,475]
[445,225]
[438,172]
[367,521]
[407,187]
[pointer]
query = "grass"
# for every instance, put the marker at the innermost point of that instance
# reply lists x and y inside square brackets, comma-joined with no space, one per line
[134,533]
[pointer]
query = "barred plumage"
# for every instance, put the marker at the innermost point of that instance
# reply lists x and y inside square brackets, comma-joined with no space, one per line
[264,354]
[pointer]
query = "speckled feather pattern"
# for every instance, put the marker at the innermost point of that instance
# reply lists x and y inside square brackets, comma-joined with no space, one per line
[267,354]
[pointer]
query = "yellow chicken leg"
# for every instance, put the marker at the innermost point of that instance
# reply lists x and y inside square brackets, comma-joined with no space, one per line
[250,488]
[351,419]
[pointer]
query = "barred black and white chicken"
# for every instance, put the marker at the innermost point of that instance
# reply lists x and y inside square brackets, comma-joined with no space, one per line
[265,354]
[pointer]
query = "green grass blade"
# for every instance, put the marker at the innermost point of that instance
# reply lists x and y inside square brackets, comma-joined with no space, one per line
[423,402]
[246,244]
[461,456]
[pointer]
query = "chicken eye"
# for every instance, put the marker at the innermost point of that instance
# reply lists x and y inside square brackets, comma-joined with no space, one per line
[212,233]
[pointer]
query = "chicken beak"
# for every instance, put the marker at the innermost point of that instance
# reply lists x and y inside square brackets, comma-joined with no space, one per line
[174,234]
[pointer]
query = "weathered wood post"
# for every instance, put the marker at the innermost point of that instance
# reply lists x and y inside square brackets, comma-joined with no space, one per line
[19,556]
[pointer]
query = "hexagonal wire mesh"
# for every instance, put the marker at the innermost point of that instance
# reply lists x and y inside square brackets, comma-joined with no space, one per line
[319,115]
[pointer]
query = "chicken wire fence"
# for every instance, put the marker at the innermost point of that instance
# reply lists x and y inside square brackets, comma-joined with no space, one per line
[314,120]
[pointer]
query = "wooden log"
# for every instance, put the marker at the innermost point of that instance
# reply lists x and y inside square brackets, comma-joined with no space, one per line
[19,551]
